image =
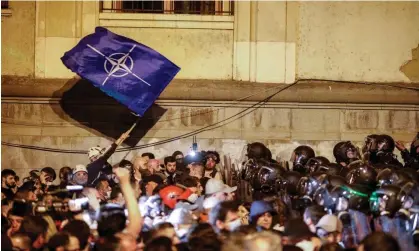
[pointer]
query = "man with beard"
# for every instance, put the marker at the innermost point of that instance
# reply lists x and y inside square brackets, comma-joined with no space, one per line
[180,161]
[171,174]
[210,161]
[8,182]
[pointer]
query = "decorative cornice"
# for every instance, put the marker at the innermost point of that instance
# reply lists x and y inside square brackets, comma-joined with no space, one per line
[305,91]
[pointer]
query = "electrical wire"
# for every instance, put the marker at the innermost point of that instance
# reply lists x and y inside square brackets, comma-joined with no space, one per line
[206,128]
[195,113]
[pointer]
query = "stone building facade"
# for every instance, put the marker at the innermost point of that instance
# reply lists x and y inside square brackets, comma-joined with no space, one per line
[348,69]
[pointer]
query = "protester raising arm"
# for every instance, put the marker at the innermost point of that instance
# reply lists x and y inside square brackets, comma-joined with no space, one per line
[134,217]
[99,159]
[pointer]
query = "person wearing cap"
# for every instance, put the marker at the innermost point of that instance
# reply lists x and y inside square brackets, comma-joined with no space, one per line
[208,204]
[98,157]
[16,214]
[151,183]
[329,229]
[261,213]
[312,215]
[80,175]
[182,220]
[216,188]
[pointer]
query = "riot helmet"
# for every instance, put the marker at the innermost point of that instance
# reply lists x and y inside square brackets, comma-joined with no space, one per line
[333,169]
[370,144]
[308,185]
[317,164]
[364,175]
[288,182]
[257,151]
[385,143]
[357,196]
[388,199]
[300,157]
[345,152]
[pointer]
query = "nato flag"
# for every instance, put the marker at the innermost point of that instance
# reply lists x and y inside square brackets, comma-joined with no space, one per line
[126,70]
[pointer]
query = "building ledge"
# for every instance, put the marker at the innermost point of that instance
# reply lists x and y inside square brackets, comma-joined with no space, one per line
[170,21]
[6,12]
[304,91]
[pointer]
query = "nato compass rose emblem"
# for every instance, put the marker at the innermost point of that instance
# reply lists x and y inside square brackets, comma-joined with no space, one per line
[118,64]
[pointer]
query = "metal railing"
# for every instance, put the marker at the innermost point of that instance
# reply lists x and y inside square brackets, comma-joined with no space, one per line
[220,7]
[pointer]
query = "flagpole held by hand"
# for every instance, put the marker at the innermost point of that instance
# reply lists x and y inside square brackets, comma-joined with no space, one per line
[125,135]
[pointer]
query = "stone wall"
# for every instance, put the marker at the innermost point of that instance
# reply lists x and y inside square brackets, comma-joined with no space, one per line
[18,39]
[358,41]
[282,126]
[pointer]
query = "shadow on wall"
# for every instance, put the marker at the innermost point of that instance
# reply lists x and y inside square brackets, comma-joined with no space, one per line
[89,108]
[411,67]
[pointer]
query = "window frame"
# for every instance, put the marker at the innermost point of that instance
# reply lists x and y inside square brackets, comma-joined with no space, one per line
[6,12]
[118,19]
[116,6]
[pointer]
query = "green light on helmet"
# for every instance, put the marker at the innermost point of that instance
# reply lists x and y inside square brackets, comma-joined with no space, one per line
[354,192]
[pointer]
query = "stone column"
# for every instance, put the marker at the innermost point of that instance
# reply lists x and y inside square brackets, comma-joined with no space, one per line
[59,27]
[264,41]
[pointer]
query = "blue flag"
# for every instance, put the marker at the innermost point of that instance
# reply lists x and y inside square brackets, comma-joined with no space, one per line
[126,70]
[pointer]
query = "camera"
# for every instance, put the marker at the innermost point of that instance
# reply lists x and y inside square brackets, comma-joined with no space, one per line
[75,205]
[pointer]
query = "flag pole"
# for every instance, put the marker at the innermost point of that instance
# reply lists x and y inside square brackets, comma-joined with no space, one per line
[130,130]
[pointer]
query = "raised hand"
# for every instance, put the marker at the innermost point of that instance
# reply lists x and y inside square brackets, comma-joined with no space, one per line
[400,146]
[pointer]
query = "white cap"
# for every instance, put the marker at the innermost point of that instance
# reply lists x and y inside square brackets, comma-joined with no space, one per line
[215,186]
[94,151]
[181,216]
[211,202]
[330,223]
[80,168]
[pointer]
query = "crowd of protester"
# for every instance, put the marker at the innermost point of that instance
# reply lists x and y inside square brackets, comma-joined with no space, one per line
[365,200]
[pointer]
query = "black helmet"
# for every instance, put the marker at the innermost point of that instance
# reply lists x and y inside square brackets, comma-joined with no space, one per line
[370,144]
[357,196]
[300,157]
[317,164]
[335,199]
[333,169]
[257,151]
[288,182]
[388,198]
[345,152]
[308,185]
[385,177]
[364,175]
[336,180]
[401,177]
[267,179]
[385,143]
